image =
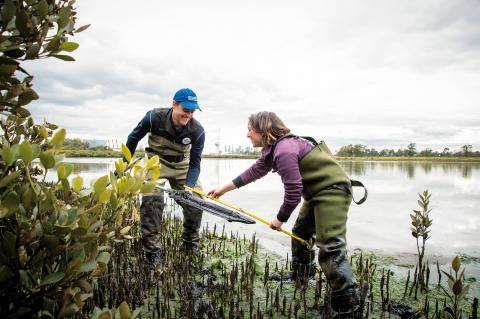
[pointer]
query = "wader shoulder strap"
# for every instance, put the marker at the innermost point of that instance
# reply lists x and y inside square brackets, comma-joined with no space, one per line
[356,183]
[310,139]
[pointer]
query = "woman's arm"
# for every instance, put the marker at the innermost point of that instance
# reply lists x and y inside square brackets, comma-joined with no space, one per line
[216,193]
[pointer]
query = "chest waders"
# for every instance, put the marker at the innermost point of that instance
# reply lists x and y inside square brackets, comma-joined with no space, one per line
[322,218]
[174,160]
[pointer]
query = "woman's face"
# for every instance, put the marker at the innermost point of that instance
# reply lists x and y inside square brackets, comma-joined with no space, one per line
[255,137]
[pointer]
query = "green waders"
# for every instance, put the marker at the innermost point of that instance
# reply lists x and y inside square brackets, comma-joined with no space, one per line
[323,217]
[151,209]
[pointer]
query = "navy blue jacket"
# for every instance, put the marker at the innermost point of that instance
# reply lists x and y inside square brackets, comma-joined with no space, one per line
[159,122]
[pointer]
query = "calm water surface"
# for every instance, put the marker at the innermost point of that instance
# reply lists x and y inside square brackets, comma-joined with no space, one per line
[381,223]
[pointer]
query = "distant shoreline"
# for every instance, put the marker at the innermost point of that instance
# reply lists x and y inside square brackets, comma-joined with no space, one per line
[115,154]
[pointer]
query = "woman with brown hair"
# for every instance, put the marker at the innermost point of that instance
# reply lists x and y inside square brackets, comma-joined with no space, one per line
[307,169]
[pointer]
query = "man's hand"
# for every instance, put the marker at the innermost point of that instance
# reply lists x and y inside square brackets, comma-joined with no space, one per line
[276,224]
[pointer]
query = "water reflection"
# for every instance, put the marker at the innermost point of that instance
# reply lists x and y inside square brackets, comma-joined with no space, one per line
[381,223]
[410,169]
[99,168]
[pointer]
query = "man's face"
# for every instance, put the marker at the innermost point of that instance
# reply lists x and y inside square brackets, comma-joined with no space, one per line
[255,137]
[180,115]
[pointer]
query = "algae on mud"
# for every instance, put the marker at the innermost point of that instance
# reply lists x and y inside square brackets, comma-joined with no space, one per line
[230,280]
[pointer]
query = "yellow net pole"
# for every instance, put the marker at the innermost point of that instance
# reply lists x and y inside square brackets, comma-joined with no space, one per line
[199,192]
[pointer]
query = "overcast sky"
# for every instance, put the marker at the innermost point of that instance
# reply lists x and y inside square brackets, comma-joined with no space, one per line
[379,73]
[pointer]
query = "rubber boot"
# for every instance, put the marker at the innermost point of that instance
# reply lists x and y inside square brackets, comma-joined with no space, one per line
[349,302]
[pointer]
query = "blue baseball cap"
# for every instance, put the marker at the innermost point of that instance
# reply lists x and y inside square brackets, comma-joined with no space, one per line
[187,98]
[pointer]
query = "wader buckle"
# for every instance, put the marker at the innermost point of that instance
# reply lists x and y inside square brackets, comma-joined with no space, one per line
[345,188]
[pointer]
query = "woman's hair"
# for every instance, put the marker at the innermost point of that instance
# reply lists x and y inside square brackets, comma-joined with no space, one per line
[269,125]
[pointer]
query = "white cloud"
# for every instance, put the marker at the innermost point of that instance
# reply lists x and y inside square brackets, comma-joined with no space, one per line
[380,73]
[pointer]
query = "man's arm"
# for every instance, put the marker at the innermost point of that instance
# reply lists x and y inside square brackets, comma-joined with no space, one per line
[143,127]
[195,158]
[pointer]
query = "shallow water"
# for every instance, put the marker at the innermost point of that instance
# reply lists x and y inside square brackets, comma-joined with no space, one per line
[382,223]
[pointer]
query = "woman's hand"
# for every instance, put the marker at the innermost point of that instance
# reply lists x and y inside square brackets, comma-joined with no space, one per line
[216,193]
[276,224]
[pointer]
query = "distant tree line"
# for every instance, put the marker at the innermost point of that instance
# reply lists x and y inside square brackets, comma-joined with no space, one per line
[78,144]
[360,150]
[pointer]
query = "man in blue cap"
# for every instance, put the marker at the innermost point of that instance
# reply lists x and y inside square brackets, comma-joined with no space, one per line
[178,139]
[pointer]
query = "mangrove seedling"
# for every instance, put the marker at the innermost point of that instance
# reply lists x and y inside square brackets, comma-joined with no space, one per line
[457,293]
[421,224]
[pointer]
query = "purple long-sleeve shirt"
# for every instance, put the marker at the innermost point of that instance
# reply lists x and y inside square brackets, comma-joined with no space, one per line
[286,157]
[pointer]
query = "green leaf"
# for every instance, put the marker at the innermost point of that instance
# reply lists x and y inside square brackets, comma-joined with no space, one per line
[23,112]
[15,53]
[43,132]
[8,11]
[5,274]
[124,310]
[64,17]
[447,315]
[148,187]
[61,172]
[125,230]
[464,292]
[77,183]
[63,57]
[47,159]
[24,99]
[126,153]
[8,244]
[82,28]
[120,167]
[457,287]
[54,44]
[89,236]
[66,185]
[69,46]
[136,313]
[152,162]
[11,202]
[100,185]
[89,266]
[68,311]
[35,150]
[104,196]
[49,241]
[52,278]
[42,9]
[28,197]
[59,136]
[23,23]
[33,50]
[7,155]
[125,185]
[84,285]
[113,181]
[9,178]
[7,70]
[456,263]
[113,201]
[78,232]
[104,257]
[68,169]
[25,152]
